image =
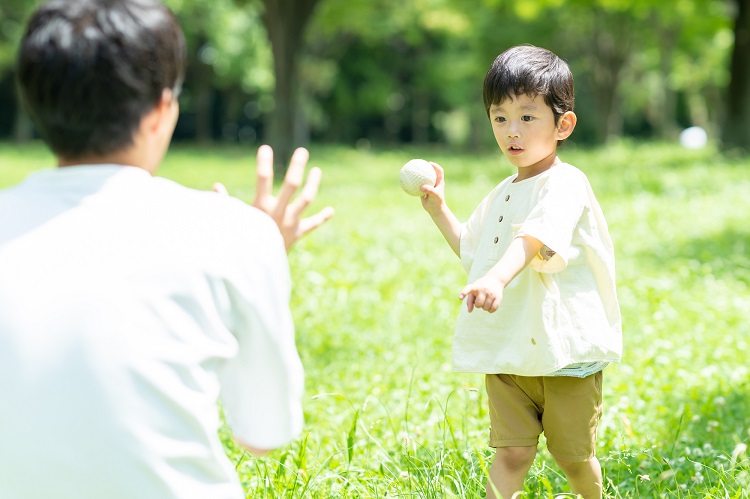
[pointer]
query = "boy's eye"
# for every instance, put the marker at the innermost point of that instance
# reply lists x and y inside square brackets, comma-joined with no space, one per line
[526,118]
[499,119]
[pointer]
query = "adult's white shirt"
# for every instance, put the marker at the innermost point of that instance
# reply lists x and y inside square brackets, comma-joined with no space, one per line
[130,305]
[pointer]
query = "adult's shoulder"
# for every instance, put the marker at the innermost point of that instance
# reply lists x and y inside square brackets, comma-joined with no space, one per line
[216,215]
[192,199]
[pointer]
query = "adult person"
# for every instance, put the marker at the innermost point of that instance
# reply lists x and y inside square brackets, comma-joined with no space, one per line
[129,304]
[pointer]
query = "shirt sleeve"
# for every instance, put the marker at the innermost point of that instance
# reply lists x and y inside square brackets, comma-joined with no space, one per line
[471,232]
[262,386]
[560,202]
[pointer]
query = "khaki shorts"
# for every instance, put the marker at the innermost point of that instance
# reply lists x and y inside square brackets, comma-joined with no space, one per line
[565,408]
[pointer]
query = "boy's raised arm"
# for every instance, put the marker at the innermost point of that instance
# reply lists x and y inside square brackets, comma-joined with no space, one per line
[434,203]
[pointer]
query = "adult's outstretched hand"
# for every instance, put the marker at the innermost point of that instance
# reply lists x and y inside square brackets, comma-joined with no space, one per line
[287,213]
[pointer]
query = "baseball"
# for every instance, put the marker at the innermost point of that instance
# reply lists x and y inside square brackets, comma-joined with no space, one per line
[415,174]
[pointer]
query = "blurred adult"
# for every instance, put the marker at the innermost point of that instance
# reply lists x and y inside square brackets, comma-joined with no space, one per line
[131,305]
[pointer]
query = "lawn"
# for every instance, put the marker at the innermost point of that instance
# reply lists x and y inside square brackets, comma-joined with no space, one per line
[375,300]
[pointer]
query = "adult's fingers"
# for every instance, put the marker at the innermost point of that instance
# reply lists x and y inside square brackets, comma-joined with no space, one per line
[308,194]
[219,188]
[315,221]
[292,180]
[264,173]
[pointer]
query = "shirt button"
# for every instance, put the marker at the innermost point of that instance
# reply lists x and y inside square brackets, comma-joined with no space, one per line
[507,198]
[497,239]
[500,219]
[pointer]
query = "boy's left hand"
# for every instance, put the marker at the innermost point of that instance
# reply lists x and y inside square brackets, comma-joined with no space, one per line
[485,293]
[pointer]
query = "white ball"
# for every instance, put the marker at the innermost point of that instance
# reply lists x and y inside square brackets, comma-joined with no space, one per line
[694,137]
[415,174]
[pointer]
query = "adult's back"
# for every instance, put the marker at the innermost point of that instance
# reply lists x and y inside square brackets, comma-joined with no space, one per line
[128,305]
[131,306]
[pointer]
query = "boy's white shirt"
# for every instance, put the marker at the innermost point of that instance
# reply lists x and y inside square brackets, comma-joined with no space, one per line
[562,308]
[128,306]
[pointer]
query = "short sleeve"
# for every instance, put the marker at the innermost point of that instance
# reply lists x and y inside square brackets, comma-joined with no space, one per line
[560,202]
[471,231]
[261,387]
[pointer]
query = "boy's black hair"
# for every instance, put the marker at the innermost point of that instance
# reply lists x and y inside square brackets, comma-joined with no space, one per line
[530,70]
[89,70]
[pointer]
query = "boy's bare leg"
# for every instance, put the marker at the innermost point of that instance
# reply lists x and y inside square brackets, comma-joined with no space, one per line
[585,478]
[509,469]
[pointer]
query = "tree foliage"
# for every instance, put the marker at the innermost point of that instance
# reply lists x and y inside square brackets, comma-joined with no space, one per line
[229,69]
[736,130]
[641,67]
[368,71]
[13,120]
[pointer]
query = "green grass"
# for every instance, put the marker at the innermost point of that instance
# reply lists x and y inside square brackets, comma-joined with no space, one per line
[375,303]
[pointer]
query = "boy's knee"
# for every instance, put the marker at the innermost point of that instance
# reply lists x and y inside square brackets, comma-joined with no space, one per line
[515,458]
[578,469]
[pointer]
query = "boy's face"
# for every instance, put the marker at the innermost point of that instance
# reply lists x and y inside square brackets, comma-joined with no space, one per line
[526,131]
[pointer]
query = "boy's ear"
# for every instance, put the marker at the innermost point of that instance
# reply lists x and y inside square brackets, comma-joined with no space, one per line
[566,124]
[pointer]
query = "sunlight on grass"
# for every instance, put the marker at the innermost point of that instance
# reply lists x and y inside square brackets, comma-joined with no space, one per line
[375,300]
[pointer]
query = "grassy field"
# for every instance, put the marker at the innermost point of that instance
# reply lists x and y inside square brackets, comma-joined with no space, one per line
[375,301]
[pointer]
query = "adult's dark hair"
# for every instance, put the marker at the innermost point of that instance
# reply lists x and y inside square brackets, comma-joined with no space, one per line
[89,70]
[525,69]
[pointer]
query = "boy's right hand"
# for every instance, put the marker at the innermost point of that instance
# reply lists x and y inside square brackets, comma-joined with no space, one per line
[433,199]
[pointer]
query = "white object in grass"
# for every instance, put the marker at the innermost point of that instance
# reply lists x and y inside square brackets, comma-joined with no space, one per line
[694,137]
[416,173]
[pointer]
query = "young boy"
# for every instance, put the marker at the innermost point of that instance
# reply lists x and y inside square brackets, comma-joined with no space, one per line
[130,304]
[542,318]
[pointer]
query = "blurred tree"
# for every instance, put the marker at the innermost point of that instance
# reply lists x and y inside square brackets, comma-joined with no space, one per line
[678,62]
[285,22]
[411,70]
[228,59]
[736,126]
[13,14]
[701,67]
[636,58]
[399,71]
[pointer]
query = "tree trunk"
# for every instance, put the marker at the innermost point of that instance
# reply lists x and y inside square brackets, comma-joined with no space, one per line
[203,95]
[611,49]
[285,21]
[736,129]
[665,120]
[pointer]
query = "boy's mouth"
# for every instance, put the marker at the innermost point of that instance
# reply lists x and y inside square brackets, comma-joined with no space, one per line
[514,149]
